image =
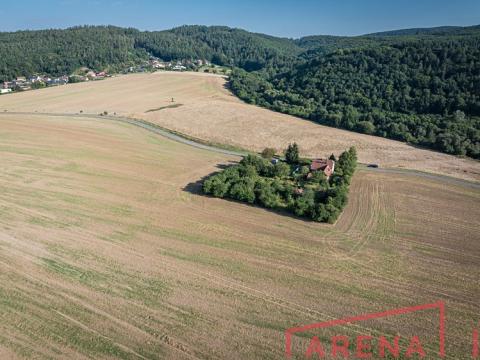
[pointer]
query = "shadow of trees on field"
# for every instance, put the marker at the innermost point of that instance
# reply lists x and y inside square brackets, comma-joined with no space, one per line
[227,86]
[196,187]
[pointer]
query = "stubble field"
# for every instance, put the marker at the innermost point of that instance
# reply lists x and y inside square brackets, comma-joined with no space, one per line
[205,109]
[107,250]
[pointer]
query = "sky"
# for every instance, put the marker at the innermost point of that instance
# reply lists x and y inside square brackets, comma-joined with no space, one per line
[286,18]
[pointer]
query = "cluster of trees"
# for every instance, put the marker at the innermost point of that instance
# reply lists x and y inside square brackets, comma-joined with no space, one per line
[422,92]
[286,186]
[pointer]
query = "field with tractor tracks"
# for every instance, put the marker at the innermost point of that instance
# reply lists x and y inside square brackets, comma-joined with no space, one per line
[108,249]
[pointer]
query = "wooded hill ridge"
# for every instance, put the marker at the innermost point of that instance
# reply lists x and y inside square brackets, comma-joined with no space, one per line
[60,51]
[420,86]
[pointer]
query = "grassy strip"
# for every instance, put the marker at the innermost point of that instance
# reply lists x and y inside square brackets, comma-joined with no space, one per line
[194,139]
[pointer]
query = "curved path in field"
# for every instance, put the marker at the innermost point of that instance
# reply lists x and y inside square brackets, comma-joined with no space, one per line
[224,150]
[145,125]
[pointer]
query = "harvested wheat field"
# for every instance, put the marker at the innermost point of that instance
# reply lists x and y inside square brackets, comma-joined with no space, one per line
[107,250]
[205,109]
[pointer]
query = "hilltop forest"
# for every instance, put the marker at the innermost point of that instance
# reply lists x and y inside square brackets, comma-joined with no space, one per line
[421,86]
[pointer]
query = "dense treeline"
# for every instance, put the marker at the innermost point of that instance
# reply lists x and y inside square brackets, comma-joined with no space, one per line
[59,52]
[420,86]
[219,44]
[287,186]
[439,30]
[422,92]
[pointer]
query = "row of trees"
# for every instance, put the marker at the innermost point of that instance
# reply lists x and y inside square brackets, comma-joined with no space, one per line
[286,186]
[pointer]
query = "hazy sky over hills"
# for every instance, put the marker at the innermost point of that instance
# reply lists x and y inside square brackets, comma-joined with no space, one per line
[289,18]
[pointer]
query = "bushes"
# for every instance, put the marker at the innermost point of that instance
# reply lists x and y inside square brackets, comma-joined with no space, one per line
[243,190]
[281,170]
[257,181]
[268,153]
[262,166]
[292,154]
[267,195]
[216,185]
[304,204]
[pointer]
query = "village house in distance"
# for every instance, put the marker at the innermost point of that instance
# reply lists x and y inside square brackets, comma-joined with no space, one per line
[24,83]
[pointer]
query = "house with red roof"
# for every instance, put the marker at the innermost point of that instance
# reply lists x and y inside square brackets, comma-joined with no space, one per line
[327,166]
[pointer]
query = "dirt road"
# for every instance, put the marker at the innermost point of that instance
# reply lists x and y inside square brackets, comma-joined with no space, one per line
[198,144]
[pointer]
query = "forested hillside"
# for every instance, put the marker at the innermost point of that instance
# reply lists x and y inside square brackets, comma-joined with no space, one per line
[421,86]
[424,90]
[219,44]
[58,52]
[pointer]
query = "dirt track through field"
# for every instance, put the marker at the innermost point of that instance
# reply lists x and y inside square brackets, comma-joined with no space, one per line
[198,144]
[107,252]
[211,113]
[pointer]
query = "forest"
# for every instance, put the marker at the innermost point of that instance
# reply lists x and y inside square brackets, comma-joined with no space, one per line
[60,52]
[426,93]
[420,86]
[287,185]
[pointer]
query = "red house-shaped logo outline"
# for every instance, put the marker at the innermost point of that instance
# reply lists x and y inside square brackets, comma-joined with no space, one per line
[440,305]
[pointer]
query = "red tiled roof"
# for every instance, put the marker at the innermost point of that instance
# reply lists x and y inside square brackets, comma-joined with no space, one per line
[327,166]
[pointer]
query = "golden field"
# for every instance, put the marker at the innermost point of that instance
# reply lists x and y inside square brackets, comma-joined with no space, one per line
[207,110]
[107,249]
